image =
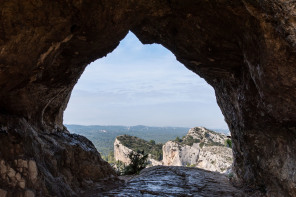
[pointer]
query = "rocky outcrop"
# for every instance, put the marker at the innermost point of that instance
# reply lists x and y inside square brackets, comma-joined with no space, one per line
[121,153]
[244,49]
[208,152]
[36,164]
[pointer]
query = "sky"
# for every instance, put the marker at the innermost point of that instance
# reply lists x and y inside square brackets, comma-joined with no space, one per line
[140,84]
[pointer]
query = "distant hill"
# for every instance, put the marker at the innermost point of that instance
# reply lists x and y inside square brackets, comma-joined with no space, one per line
[103,136]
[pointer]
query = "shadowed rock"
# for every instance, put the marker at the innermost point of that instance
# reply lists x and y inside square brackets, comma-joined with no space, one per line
[244,49]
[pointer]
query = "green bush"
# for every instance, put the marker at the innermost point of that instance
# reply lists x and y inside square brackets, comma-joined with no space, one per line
[228,143]
[119,167]
[138,163]
[178,139]
[189,140]
[152,142]
[201,144]
[110,158]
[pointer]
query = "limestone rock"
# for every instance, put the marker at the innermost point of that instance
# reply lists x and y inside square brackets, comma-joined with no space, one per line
[178,155]
[153,162]
[121,154]
[208,153]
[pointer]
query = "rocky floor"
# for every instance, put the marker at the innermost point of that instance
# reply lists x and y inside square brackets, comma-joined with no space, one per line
[177,181]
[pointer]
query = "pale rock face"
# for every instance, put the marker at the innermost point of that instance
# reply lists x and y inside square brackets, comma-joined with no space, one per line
[178,155]
[213,155]
[121,154]
[215,158]
[209,156]
[153,162]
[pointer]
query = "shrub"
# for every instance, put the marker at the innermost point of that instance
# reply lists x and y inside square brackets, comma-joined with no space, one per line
[152,142]
[228,143]
[190,140]
[138,162]
[119,167]
[137,144]
[178,139]
[201,144]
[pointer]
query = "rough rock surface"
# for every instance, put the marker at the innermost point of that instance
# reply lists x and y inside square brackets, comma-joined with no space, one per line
[33,163]
[121,152]
[244,49]
[179,181]
[175,154]
[209,153]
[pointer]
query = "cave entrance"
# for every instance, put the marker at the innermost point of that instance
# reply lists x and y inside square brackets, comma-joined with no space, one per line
[140,84]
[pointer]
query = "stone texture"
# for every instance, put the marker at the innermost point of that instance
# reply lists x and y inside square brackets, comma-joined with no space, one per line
[29,193]
[209,153]
[178,181]
[61,166]
[33,171]
[244,49]
[121,152]
[3,193]
[179,155]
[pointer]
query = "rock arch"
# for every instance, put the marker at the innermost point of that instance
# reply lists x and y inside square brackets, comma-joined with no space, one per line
[245,50]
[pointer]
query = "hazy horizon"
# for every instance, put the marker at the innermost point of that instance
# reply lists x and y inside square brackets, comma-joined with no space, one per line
[92,125]
[140,84]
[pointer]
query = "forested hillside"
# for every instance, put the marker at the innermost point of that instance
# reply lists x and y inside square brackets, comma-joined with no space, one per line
[103,136]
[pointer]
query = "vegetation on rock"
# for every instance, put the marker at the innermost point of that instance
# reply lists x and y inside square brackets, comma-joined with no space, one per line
[228,143]
[136,144]
[204,138]
[138,162]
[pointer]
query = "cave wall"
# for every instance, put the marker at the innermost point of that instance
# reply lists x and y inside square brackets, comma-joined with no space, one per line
[244,49]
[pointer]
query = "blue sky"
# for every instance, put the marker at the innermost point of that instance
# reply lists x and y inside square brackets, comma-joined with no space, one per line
[140,84]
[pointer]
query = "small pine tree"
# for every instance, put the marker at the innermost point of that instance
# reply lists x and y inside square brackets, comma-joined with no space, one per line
[138,162]
[152,142]
[228,143]
[119,167]
[178,139]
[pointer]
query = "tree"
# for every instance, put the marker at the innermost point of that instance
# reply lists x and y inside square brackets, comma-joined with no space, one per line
[119,167]
[178,139]
[138,162]
[228,143]
[110,157]
[152,142]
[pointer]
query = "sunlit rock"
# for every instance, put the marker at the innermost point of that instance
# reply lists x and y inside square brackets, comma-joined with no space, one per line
[200,148]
